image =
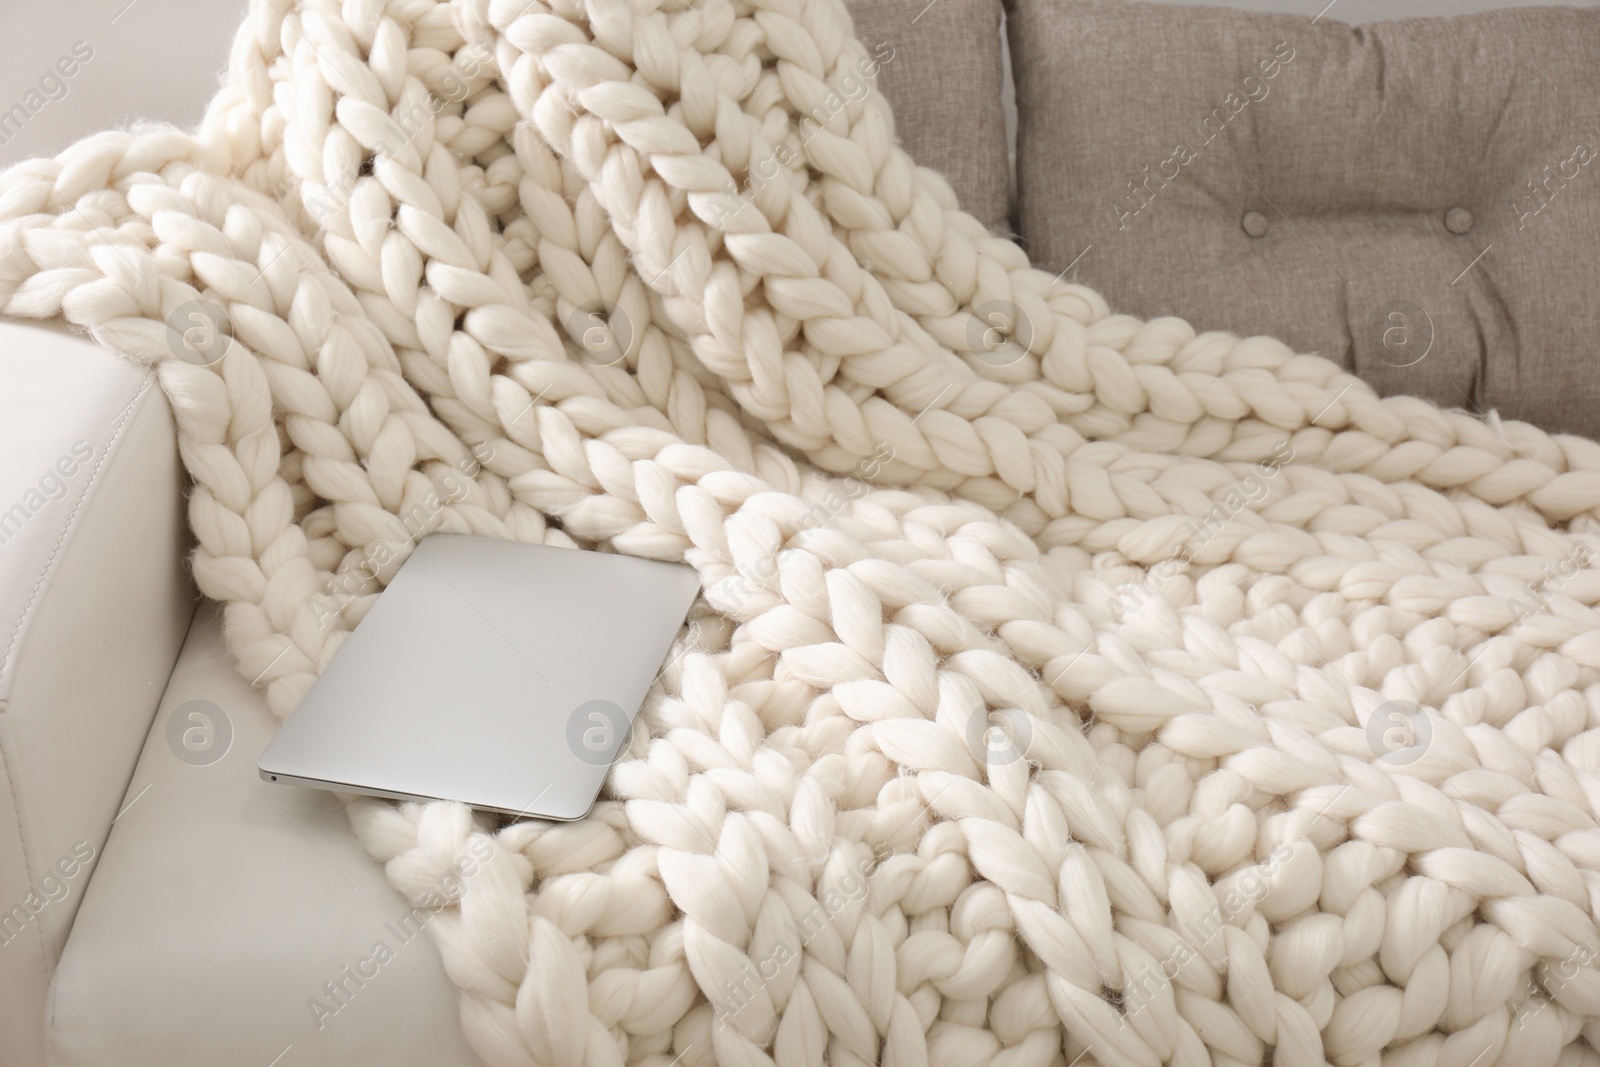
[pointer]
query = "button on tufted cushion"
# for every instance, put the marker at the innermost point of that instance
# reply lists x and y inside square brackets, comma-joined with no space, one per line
[1418,200]
[940,68]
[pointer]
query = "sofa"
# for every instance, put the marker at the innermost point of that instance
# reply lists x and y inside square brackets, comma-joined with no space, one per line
[159,904]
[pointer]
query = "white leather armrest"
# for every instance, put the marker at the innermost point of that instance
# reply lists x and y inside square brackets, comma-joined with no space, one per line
[95,598]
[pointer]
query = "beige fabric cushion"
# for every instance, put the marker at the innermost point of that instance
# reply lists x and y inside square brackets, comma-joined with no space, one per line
[1418,200]
[939,66]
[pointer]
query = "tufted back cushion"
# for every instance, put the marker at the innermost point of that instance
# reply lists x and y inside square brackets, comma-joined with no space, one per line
[1418,200]
[939,64]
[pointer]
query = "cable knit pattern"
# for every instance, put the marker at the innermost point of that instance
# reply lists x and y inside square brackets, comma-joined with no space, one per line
[1041,697]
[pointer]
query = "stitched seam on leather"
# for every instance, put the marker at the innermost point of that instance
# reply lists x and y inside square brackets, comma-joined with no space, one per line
[22,838]
[68,527]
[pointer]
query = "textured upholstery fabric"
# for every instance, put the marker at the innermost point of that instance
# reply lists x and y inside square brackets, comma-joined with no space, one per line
[940,69]
[1417,200]
[1373,10]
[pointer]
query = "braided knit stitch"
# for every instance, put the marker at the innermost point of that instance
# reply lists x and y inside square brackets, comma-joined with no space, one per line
[1035,705]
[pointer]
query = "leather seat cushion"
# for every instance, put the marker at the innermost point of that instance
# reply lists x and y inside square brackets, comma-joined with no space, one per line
[223,905]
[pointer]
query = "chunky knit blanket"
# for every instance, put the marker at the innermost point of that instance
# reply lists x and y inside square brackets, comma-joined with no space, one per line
[1065,687]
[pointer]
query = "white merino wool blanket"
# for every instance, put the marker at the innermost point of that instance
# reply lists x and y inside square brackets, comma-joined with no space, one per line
[1065,687]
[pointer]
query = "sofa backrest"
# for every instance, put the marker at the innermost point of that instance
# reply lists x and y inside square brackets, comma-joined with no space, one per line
[1415,199]
[1352,11]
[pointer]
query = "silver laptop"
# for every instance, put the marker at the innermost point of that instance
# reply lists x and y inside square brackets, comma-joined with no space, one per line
[500,674]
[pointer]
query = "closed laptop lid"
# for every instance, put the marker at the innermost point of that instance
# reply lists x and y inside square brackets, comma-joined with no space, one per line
[500,674]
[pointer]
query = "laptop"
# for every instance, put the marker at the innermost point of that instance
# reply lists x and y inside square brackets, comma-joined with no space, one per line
[499,674]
